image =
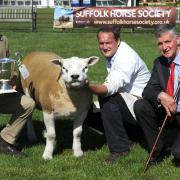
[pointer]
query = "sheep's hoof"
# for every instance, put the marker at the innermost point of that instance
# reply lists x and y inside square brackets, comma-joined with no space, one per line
[78,153]
[47,156]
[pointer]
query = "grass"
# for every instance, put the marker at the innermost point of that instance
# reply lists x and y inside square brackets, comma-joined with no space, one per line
[82,43]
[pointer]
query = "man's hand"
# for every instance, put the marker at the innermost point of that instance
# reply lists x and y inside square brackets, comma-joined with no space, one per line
[168,103]
[13,82]
[98,89]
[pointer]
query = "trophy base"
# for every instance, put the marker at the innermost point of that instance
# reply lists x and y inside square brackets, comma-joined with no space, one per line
[7,91]
[6,88]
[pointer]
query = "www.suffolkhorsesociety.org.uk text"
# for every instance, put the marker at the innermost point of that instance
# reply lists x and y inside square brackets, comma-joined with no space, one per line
[90,16]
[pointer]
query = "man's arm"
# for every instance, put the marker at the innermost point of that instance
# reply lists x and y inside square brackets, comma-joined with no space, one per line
[98,89]
[155,93]
[6,46]
[153,87]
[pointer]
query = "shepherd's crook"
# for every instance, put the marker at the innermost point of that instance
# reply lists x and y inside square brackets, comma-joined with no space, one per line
[161,129]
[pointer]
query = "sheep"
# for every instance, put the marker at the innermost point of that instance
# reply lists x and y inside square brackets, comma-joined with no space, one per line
[59,89]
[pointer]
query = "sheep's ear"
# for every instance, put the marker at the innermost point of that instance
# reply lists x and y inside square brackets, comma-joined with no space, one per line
[92,60]
[58,62]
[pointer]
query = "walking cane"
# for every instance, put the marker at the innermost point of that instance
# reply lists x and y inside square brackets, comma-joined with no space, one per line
[161,129]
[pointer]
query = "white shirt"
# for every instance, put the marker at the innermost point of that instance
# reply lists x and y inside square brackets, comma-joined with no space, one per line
[126,72]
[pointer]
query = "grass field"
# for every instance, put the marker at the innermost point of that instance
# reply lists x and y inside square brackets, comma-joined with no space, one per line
[82,43]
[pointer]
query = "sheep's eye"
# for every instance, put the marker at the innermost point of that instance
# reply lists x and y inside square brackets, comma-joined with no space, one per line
[64,69]
[85,68]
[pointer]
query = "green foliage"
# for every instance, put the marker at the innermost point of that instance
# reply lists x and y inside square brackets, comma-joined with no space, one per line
[82,43]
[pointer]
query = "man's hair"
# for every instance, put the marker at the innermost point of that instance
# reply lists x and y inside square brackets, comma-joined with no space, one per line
[164,28]
[114,29]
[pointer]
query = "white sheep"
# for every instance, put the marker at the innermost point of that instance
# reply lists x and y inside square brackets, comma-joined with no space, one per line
[59,88]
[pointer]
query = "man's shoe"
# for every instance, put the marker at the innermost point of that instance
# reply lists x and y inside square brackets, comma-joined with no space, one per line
[9,149]
[176,162]
[114,157]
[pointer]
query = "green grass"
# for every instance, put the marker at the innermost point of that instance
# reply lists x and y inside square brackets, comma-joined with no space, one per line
[82,43]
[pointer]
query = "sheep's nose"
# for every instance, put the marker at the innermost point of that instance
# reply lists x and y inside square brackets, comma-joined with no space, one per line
[74,76]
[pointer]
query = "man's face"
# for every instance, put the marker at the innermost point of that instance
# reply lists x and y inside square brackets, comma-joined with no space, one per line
[108,45]
[167,44]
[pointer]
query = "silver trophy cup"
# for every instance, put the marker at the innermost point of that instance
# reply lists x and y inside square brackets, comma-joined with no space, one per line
[6,72]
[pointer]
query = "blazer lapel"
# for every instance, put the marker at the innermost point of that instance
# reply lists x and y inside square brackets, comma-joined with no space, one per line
[164,72]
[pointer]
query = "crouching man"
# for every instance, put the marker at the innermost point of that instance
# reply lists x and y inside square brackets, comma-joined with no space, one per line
[17,104]
[158,94]
[126,79]
[21,107]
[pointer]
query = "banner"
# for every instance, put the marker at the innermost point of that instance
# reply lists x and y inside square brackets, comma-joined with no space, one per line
[118,16]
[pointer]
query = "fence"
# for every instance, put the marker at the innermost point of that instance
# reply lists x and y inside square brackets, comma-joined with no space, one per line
[18,14]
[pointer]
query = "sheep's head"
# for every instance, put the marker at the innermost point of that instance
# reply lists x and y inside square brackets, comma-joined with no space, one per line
[74,69]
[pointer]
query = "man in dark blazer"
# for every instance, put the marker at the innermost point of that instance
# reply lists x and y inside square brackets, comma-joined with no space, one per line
[157,102]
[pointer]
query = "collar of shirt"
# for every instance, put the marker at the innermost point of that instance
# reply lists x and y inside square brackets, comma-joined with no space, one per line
[177,59]
[110,61]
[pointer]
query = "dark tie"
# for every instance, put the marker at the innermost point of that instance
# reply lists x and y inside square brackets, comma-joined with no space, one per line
[170,84]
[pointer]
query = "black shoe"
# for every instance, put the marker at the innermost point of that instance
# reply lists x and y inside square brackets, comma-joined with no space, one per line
[176,162]
[114,157]
[159,156]
[9,149]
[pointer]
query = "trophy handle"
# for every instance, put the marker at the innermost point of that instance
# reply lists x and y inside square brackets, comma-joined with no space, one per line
[19,56]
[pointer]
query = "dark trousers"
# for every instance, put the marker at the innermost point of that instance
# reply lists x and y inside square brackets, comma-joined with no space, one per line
[150,119]
[114,112]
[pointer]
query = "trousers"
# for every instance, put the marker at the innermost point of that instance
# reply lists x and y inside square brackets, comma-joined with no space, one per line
[150,119]
[21,107]
[114,114]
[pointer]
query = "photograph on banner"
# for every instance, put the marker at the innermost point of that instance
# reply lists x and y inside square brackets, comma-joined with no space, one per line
[63,17]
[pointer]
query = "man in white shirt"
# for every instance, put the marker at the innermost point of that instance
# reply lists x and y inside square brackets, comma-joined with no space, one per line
[126,79]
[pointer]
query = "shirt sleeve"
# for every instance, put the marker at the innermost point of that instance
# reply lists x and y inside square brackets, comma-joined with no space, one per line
[120,75]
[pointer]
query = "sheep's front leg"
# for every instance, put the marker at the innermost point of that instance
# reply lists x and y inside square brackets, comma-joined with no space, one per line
[77,131]
[50,135]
